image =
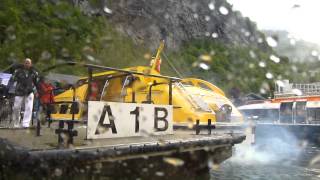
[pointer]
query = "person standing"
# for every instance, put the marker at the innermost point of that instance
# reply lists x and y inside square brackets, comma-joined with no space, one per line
[46,96]
[26,79]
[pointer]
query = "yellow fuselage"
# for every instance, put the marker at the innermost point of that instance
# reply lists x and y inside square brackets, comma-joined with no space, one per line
[192,99]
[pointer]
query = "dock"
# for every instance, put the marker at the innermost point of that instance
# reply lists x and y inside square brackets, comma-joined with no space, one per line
[22,150]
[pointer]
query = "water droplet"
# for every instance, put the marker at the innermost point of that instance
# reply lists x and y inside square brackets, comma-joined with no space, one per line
[207,18]
[90,58]
[214,35]
[262,64]
[251,65]
[252,54]
[314,53]
[173,161]
[107,10]
[211,6]
[204,66]
[112,118]
[297,92]
[12,37]
[45,55]
[207,34]
[147,56]
[263,91]
[159,173]
[292,42]
[294,68]
[213,166]
[223,10]
[195,15]
[205,57]
[269,75]
[57,172]
[271,42]
[274,58]
[144,118]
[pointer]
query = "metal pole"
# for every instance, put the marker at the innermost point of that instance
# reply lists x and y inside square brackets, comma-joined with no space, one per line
[38,127]
[133,96]
[197,127]
[88,95]
[170,92]
[209,126]
[73,102]
[89,82]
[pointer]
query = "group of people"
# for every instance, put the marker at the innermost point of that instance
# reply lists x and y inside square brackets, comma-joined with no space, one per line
[27,85]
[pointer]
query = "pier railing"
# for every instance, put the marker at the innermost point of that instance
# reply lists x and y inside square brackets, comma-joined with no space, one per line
[295,89]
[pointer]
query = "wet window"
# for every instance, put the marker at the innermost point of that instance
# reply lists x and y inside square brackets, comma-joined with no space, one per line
[64,108]
[314,115]
[204,86]
[286,115]
[187,83]
[263,115]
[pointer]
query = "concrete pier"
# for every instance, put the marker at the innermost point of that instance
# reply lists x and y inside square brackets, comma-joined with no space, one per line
[21,150]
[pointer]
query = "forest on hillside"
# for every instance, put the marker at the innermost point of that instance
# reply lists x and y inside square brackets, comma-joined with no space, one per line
[50,32]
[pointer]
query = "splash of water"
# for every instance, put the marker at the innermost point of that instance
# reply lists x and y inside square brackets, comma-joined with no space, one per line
[270,149]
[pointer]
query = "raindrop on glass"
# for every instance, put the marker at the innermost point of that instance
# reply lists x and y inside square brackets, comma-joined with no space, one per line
[269,75]
[271,42]
[214,35]
[262,64]
[204,66]
[223,10]
[292,42]
[107,10]
[173,161]
[207,18]
[274,58]
[211,6]
[252,54]
[297,92]
[159,173]
[314,53]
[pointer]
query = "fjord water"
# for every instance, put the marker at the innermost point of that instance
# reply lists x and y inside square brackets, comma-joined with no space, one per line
[275,158]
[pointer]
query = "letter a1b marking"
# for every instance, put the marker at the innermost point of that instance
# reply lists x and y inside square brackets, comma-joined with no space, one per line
[106,109]
[157,119]
[136,112]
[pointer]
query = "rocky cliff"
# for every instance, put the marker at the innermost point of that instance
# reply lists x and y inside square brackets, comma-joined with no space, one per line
[177,21]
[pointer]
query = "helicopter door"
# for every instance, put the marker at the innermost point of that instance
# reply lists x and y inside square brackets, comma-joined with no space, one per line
[286,112]
[103,93]
[115,88]
[300,112]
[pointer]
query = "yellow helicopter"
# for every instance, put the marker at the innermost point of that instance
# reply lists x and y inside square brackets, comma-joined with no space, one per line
[193,100]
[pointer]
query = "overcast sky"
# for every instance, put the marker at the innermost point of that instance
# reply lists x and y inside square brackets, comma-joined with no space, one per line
[301,18]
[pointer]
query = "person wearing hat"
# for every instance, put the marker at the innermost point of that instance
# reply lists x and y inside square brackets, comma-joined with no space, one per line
[26,79]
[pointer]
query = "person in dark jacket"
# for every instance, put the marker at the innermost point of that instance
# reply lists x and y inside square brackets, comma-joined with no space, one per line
[25,81]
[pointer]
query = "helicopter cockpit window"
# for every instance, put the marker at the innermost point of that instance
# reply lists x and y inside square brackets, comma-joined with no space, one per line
[204,86]
[187,83]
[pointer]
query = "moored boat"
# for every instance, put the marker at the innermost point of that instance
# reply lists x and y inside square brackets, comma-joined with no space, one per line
[125,115]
